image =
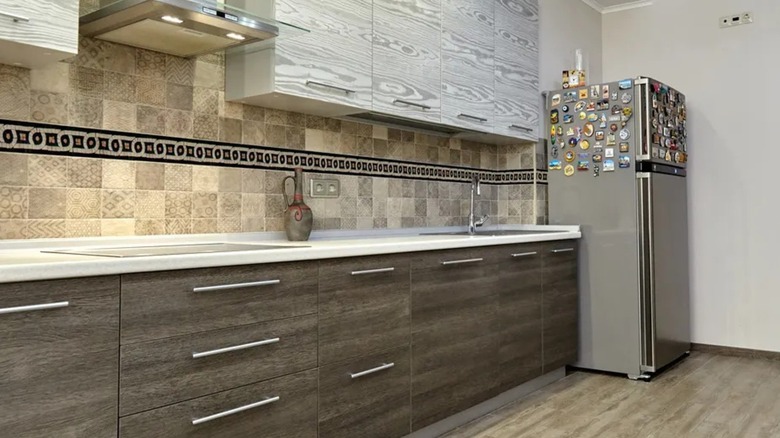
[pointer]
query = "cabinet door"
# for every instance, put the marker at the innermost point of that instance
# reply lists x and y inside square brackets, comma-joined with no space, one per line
[455,333]
[41,26]
[407,58]
[467,64]
[520,311]
[517,102]
[560,304]
[59,345]
[333,62]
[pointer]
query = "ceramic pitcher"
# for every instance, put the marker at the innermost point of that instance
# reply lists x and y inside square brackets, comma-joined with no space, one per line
[298,216]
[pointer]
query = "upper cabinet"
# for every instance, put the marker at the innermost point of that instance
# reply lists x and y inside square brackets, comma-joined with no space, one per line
[34,33]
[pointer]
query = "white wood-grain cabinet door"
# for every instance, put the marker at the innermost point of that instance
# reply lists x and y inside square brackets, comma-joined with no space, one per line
[407,58]
[467,64]
[333,62]
[37,32]
[517,99]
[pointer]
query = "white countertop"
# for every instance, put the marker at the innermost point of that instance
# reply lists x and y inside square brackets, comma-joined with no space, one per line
[22,260]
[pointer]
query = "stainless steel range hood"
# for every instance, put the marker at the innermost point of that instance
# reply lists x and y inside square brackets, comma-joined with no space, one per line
[177,27]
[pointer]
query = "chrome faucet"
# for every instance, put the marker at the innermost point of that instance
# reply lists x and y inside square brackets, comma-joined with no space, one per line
[475,190]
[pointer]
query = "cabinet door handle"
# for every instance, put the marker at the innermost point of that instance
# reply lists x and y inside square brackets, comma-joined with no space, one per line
[556,251]
[373,271]
[267,401]
[458,262]
[469,116]
[382,367]
[522,128]
[335,87]
[235,348]
[34,307]
[524,254]
[235,286]
[15,17]
[406,102]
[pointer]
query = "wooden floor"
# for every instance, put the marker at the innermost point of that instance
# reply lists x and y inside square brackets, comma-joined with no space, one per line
[703,396]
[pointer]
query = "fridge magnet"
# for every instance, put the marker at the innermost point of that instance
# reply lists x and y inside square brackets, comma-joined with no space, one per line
[570,96]
[611,140]
[591,107]
[617,110]
[627,113]
[598,147]
[609,165]
[583,93]
[569,131]
[583,165]
[578,134]
[596,170]
[614,95]
[603,120]
[594,91]
[592,117]
[614,118]
[560,131]
[584,145]
[565,79]
[568,170]
[626,98]
[624,161]
[613,127]
[553,139]
[583,115]
[609,152]
[668,156]
[583,156]
[655,101]
[656,138]
[573,141]
[579,106]
[605,92]
[624,148]
[554,116]
[656,152]
[554,151]
[588,130]
[625,134]
[599,135]
[625,84]
[553,129]
[569,156]
[667,132]
[603,105]
[567,118]
[565,108]
[598,158]
[555,165]
[556,99]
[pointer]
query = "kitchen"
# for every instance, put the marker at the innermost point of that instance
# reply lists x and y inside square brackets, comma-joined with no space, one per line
[130,151]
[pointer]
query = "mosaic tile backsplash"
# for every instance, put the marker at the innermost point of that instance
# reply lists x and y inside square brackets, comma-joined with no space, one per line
[114,87]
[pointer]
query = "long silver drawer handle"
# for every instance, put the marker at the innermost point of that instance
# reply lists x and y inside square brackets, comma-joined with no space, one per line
[373,271]
[522,128]
[235,286]
[524,254]
[234,348]
[406,102]
[322,84]
[458,262]
[469,116]
[267,401]
[563,250]
[47,306]
[16,18]
[382,367]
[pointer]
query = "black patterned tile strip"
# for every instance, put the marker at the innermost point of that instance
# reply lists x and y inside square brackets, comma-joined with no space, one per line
[38,138]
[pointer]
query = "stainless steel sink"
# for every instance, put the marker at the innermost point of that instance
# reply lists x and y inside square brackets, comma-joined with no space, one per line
[163,250]
[492,233]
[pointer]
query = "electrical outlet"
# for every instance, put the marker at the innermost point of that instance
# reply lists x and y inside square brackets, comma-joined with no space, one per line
[736,20]
[325,188]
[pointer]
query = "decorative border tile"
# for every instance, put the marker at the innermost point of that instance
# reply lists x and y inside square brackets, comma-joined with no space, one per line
[39,138]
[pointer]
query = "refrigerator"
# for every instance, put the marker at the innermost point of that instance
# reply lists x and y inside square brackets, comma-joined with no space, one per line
[617,154]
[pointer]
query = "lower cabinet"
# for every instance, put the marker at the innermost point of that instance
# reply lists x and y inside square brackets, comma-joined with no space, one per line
[560,304]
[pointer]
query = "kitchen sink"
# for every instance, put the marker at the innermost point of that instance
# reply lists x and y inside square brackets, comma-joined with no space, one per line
[163,250]
[492,233]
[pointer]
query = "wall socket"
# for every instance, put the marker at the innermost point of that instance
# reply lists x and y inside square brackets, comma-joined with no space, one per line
[736,19]
[325,188]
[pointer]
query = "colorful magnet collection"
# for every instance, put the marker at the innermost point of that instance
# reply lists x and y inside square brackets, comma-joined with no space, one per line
[668,118]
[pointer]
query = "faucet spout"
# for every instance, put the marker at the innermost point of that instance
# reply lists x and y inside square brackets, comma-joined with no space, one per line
[475,190]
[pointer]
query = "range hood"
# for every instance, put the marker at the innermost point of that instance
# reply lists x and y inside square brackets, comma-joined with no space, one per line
[177,27]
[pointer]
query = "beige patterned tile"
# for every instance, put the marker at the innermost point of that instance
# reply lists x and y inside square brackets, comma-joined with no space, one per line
[254,113]
[178,177]
[209,75]
[120,58]
[229,205]
[151,120]
[118,204]
[275,117]
[54,78]
[119,86]
[119,116]
[204,205]
[47,171]
[178,226]
[149,227]
[91,53]
[322,141]
[150,176]
[117,227]
[150,64]
[205,178]
[118,174]
[252,224]
[205,127]
[252,181]
[83,204]
[46,229]
[323,123]
[85,111]
[13,229]
[217,58]
[87,82]
[204,226]
[229,225]
[229,179]
[252,133]
[230,130]
[178,205]
[295,137]
[296,119]
[14,92]
[275,135]
[180,70]
[379,132]
[179,124]
[13,169]
[178,96]
[232,110]
[49,107]
[150,91]
[252,205]
[149,204]
[205,101]
[46,203]
[274,206]
[277,224]
[14,202]
[85,173]
[82,228]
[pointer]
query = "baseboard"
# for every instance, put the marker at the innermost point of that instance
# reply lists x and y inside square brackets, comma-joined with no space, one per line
[441,427]
[736,351]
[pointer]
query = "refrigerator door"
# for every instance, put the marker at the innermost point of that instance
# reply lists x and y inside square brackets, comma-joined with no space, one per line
[665,307]
[663,130]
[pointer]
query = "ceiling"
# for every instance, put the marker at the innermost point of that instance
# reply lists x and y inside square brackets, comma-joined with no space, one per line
[607,6]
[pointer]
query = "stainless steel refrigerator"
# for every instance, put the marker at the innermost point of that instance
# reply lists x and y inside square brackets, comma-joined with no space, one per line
[617,155]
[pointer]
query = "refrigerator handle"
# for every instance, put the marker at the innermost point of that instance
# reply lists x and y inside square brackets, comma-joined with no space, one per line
[646,272]
[642,98]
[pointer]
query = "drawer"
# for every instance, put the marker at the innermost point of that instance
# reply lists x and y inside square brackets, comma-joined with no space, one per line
[167,371]
[278,408]
[454,260]
[164,304]
[366,397]
[363,306]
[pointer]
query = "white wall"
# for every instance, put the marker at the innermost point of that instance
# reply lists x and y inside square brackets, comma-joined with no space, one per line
[731,78]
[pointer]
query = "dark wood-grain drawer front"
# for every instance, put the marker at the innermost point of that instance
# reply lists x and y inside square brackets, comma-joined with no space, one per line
[560,304]
[167,371]
[165,304]
[279,408]
[363,306]
[58,358]
[367,397]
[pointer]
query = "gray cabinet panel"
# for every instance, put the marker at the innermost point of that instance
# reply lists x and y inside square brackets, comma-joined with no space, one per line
[50,34]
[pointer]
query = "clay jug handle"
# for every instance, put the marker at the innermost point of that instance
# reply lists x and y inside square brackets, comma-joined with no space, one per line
[284,190]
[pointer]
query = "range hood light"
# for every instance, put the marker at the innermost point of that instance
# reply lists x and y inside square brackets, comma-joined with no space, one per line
[235,36]
[172,19]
